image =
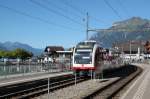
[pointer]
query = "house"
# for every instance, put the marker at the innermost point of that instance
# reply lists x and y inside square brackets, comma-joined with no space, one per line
[57,53]
[50,53]
[131,50]
[50,50]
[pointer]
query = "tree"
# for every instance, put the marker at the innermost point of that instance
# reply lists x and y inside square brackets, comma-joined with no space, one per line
[21,53]
[4,53]
[17,53]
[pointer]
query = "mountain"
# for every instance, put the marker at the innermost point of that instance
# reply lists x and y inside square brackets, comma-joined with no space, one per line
[2,47]
[13,45]
[134,28]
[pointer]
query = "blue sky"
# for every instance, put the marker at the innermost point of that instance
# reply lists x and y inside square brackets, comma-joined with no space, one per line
[61,22]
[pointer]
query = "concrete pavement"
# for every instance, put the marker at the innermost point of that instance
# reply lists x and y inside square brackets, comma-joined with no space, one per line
[140,88]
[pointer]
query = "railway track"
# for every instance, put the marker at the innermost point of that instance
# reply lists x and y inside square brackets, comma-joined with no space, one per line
[36,88]
[110,91]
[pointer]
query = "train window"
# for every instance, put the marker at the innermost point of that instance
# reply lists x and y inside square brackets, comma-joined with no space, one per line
[83,58]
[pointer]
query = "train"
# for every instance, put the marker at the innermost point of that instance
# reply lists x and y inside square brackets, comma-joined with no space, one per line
[90,58]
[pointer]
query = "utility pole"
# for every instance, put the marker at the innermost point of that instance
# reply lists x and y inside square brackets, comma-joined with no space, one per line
[87,25]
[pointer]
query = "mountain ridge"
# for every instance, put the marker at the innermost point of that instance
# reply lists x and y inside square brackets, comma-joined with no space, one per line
[13,45]
[134,28]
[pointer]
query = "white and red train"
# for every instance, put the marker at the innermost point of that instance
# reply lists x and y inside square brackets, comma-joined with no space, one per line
[89,56]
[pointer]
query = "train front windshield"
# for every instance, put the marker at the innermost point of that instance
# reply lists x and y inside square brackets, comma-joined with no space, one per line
[83,58]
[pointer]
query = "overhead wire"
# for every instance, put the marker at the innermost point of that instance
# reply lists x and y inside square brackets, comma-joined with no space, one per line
[79,10]
[122,30]
[35,17]
[117,14]
[73,7]
[55,12]
[60,8]
[124,8]
[114,10]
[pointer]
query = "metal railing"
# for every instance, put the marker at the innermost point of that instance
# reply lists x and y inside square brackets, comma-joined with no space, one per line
[21,69]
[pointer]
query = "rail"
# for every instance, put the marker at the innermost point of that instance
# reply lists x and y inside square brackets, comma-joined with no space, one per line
[110,91]
[32,91]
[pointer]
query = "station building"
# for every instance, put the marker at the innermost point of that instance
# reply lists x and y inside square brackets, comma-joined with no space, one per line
[57,53]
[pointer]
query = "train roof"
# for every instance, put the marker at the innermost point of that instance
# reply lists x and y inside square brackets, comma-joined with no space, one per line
[87,44]
[91,41]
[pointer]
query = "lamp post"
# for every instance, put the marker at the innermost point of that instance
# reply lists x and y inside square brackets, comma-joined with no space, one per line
[87,26]
[5,72]
[130,50]
[48,87]
[29,59]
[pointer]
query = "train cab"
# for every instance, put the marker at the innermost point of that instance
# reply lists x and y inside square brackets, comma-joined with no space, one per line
[86,56]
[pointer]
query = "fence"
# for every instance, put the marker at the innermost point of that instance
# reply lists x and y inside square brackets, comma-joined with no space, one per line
[21,69]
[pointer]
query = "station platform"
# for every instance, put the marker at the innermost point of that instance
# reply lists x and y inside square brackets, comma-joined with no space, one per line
[28,78]
[140,88]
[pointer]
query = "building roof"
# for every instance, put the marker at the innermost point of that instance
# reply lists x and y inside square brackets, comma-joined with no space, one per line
[53,48]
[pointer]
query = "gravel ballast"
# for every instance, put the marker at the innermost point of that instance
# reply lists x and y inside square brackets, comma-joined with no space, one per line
[79,90]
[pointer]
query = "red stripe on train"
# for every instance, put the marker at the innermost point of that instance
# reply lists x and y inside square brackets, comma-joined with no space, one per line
[83,68]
